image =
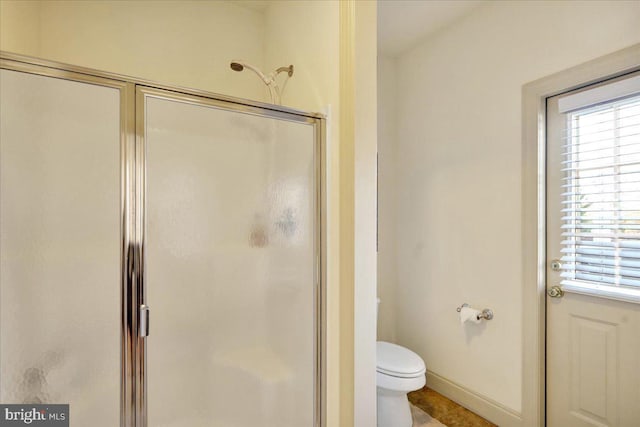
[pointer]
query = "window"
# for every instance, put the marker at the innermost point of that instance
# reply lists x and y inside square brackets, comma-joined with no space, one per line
[599,178]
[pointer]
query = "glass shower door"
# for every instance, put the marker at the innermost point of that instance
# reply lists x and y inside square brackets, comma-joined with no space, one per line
[231,251]
[60,244]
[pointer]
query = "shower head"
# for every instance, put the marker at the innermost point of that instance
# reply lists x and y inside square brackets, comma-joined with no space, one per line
[240,66]
[236,66]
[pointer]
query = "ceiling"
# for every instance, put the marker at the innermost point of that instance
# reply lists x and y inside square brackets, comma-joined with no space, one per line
[403,23]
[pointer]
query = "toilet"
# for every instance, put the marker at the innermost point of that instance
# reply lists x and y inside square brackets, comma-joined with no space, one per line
[398,371]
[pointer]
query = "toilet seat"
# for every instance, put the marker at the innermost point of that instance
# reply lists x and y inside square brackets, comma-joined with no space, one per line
[397,361]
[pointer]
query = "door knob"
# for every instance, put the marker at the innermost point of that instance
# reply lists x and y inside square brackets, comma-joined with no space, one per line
[555,292]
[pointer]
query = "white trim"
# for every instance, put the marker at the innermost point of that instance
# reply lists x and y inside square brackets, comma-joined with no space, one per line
[365,148]
[534,96]
[476,402]
[600,94]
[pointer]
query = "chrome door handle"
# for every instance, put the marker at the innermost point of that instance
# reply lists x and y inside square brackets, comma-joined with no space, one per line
[144,320]
[555,292]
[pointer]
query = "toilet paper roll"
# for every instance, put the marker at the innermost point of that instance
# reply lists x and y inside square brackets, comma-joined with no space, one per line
[468,314]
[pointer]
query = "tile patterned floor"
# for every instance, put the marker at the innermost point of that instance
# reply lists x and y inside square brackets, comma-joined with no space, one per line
[446,411]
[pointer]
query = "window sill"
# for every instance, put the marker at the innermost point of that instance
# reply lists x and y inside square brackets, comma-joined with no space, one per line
[609,292]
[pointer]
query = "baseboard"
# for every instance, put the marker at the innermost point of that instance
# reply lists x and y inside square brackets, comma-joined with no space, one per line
[481,405]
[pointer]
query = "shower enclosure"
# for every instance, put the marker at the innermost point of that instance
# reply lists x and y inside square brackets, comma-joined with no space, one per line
[161,252]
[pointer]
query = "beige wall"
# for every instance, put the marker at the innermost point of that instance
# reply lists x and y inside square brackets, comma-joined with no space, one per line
[183,43]
[387,190]
[458,184]
[305,34]
[20,26]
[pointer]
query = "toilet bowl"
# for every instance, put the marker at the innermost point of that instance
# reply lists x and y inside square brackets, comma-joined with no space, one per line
[399,371]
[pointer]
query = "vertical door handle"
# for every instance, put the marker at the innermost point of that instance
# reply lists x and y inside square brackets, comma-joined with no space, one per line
[144,320]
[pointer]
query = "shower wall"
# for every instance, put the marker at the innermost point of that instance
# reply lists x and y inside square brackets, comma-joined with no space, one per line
[183,43]
[290,38]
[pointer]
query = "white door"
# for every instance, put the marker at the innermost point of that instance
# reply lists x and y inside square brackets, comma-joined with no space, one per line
[593,256]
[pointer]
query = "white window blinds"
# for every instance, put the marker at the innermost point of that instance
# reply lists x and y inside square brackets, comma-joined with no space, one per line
[601,194]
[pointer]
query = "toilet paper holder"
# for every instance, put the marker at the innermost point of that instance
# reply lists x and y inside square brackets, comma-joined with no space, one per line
[486,314]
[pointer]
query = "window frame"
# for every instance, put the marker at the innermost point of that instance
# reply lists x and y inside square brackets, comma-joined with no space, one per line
[555,126]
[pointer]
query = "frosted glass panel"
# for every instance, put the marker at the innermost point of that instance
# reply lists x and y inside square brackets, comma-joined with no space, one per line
[60,246]
[229,268]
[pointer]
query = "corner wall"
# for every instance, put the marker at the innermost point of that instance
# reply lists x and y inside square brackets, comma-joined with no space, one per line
[458,182]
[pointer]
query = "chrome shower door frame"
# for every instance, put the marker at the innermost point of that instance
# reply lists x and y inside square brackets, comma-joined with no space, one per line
[133,397]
